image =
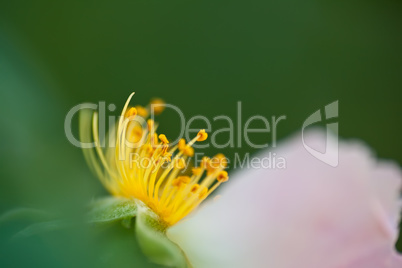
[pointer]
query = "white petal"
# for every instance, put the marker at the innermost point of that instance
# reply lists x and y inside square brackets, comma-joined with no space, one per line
[307,215]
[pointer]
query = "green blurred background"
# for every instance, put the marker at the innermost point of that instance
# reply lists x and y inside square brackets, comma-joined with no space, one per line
[277,57]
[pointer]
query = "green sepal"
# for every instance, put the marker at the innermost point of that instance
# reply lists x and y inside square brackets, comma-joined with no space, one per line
[151,235]
[111,209]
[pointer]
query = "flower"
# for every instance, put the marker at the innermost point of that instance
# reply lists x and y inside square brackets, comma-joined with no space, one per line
[144,166]
[308,215]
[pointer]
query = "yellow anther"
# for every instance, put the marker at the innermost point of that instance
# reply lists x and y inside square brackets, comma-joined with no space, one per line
[180,163]
[136,134]
[141,111]
[188,150]
[176,183]
[131,112]
[181,180]
[184,179]
[203,192]
[197,171]
[222,176]
[163,138]
[219,161]
[157,105]
[194,188]
[223,161]
[150,124]
[182,144]
[185,149]
[202,135]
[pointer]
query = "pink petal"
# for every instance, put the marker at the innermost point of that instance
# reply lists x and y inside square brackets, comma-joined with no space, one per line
[309,215]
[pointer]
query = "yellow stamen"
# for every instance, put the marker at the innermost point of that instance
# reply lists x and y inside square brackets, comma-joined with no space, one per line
[203,193]
[141,111]
[150,124]
[189,151]
[217,162]
[131,112]
[222,176]
[222,160]
[182,144]
[141,173]
[184,179]
[202,135]
[158,105]
[195,188]
[163,138]
[168,156]
[148,149]
[197,171]
[186,149]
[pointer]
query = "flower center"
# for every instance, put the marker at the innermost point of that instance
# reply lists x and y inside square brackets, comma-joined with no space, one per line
[145,166]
